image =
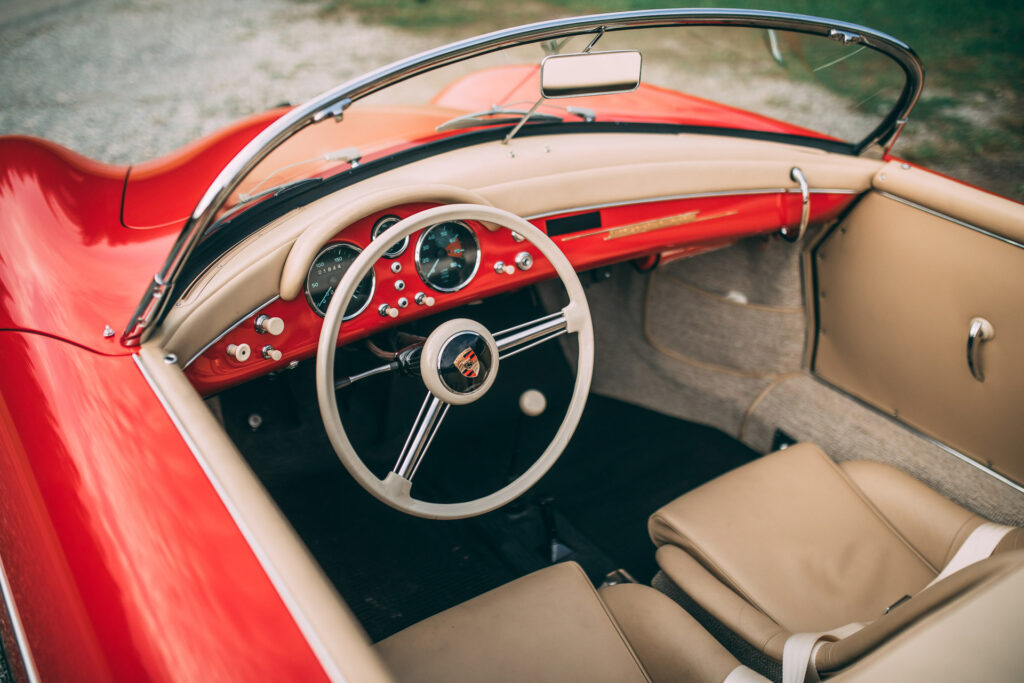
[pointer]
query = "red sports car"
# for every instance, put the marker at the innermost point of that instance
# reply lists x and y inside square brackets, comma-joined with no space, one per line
[402,383]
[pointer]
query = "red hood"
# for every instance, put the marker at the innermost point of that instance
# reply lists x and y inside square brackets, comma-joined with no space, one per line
[68,267]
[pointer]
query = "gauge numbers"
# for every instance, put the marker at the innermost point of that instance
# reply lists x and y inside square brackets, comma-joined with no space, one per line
[447,256]
[329,266]
[383,224]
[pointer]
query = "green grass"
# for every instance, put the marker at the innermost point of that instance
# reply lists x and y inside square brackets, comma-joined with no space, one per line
[973,45]
[973,54]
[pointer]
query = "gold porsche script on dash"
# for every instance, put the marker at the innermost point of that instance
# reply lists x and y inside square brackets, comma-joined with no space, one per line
[648,226]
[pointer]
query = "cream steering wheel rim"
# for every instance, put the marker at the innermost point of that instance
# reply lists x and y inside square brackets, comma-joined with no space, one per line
[394,490]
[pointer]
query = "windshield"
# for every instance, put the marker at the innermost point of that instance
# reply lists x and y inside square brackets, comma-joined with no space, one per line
[701,77]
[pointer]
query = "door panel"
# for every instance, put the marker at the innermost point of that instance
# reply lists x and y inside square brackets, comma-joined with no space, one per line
[897,287]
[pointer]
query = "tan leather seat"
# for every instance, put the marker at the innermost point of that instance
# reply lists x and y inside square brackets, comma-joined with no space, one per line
[794,543]
[553,626]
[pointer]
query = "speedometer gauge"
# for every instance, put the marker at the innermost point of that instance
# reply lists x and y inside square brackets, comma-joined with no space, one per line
[326,272]
[447,256]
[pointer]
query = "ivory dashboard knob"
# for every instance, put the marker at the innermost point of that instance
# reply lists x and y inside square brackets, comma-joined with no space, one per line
[270,353]
[239,352]
[387,311]
[422,299]
[268,325]
[532,402]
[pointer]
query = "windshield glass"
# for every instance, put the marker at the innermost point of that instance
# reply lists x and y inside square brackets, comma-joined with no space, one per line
[740,78]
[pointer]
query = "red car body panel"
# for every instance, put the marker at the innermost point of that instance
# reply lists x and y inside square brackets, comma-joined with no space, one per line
[124,562]
[68,267]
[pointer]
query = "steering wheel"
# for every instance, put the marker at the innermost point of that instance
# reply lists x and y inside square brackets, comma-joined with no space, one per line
[458,363]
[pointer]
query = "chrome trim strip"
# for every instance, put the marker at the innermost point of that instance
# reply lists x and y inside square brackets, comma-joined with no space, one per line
[153,306]
[959,222]
[320,651]
[921,435]
[695,195]
[230,327]
[19,631]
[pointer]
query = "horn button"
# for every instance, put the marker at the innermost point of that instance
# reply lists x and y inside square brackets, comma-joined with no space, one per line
[459,361]
[465,362]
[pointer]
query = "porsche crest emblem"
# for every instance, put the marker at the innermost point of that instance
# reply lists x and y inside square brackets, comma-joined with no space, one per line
[467,363]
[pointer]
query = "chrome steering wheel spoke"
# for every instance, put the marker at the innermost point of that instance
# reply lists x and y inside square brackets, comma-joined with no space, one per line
[527,335]
[427,422]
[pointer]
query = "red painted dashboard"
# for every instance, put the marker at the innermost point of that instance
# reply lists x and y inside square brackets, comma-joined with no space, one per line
[677,226]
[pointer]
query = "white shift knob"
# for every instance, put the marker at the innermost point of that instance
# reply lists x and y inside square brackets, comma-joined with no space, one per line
[532,402]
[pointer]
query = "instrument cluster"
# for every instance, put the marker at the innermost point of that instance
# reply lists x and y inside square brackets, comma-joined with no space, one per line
[447,257]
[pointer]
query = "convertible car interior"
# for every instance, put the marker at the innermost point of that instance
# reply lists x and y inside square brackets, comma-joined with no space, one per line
[518,372]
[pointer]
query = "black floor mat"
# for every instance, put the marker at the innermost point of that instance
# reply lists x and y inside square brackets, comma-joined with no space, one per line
[394,570]
[623,464]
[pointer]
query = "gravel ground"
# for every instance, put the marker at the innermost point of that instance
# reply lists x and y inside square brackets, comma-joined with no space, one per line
[126,81]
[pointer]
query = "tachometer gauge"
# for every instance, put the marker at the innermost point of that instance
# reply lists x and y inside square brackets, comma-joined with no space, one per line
[447,256]
[323,277]
[383,224]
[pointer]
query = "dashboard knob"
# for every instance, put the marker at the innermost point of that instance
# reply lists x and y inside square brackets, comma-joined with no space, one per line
[270,353]
[524,260]
[532,402]
[422,299]
[267,325]
[387,311]
[239,352]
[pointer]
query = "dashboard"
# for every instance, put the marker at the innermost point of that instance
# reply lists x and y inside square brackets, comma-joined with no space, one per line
[457,262]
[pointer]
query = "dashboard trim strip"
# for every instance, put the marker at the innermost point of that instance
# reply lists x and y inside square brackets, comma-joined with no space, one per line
[695,195]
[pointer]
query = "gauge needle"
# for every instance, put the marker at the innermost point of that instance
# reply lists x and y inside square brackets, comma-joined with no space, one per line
[326,297]
[433,268]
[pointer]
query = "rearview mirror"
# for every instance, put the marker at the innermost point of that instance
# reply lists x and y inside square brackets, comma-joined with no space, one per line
[590,73]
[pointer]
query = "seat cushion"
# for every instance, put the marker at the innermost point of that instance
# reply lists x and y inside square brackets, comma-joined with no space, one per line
[547,626]
[934,525]
[792,535]
[670,643]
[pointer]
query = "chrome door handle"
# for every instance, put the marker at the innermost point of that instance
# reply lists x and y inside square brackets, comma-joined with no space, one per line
[981,330]
[794,234]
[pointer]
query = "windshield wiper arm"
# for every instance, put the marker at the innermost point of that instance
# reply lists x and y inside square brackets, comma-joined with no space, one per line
[482,118]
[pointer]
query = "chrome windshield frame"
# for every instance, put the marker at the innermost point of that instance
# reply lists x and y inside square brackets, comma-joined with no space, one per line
[334,102]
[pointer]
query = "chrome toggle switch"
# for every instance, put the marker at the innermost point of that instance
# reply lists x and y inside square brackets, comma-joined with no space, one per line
[267,325]
[524,260]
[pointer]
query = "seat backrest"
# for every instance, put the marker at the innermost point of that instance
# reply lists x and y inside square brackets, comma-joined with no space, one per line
[974,636]
[964,585]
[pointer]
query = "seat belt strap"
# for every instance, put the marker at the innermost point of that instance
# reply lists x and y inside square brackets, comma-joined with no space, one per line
[979,545]
[800,648]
